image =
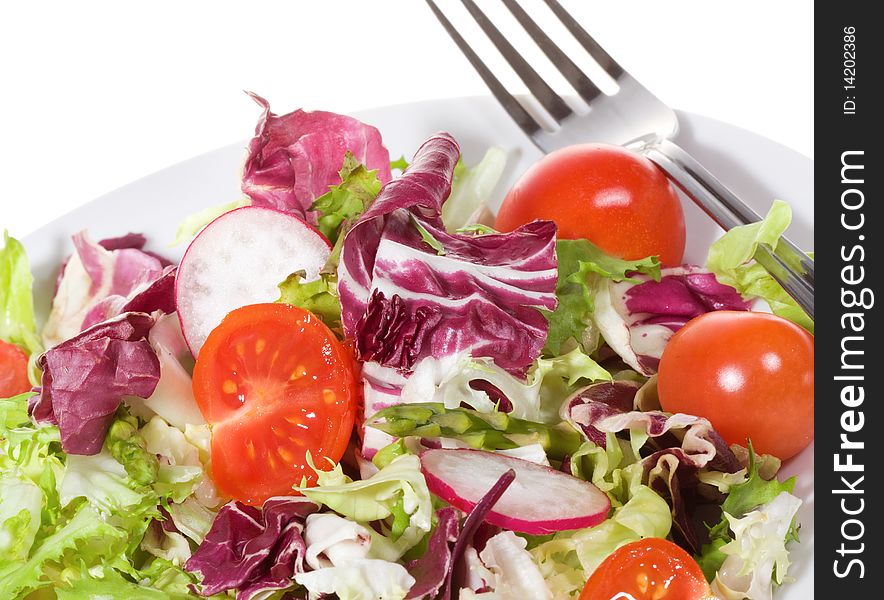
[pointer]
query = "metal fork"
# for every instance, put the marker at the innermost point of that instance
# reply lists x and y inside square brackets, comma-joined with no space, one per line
[631,117]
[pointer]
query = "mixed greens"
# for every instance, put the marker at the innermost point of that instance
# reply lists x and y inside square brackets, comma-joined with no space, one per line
[495,367]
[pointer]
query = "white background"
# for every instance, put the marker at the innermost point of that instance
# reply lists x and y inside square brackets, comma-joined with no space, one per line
[96,94]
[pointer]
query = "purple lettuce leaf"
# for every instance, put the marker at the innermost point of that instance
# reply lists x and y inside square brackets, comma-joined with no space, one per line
[147,298]
[673,476]
[253,550]
[430,570]
[411,290]
[116,267]
[602,408]
[637,317]
[670,462]
[294,158]
[85,378]
[597,401]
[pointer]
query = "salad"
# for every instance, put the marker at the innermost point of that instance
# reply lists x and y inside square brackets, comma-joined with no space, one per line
[358,383]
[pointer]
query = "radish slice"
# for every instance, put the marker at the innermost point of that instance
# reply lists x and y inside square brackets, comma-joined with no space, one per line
[541,500]
[240,258]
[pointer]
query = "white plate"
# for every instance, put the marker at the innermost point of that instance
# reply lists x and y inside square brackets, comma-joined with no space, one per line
[757,169]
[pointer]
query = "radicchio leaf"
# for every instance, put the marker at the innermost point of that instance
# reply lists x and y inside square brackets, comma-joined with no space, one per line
[294,158]
[637,317]
[116,267]
[158,294]
[670,463]
[592,409]
[596,402]
[253,550]
[404,299]
[86,377]
[431,570]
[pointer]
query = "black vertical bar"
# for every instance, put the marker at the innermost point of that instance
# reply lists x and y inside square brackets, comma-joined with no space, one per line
[849,440]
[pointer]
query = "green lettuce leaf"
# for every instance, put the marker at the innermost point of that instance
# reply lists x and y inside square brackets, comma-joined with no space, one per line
[398,488]
[580,264]
[742,498]
[14,411]
[731,259]
[549,382]
[319,296]
[757,556]
[569,558]
[192,224]
[400,164]
[86,539]
[338,209]
[106,583]
[181,469]
[17,322]
[472,188]
[346,201]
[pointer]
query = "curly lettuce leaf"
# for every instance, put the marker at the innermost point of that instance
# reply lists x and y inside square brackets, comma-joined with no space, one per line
[86,538]
[569,558]
[109,583]
[17,322]
[319,296]
[757,556]
[580,264]
[731,259]
[78,523]
[398,487]
[743,497]
[346,201]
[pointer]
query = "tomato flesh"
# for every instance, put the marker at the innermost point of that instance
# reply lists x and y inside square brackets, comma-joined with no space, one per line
[13,370]
[274,383]
[649,569]
[750,374]
[615,198]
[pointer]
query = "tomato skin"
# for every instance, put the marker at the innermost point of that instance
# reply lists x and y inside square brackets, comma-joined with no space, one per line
[649,569]
[615,198]
[750,374]
[274,383]
[13,370]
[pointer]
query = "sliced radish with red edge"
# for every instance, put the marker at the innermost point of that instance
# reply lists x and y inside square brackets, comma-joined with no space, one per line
[541,500]
[239,259]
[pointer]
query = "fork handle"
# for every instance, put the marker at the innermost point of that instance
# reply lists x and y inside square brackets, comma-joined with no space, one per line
[791,267]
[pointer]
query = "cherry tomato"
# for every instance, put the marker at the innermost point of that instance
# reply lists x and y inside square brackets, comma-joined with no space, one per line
[274,383]
[649,569]
[615,198]
[13,370]
[750,374]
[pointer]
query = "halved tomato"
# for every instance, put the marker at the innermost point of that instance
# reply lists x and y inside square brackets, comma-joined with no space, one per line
[13,370]
[649,569]
[274,384]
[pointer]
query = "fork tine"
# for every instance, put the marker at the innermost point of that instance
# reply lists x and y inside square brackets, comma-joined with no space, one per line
[507,100]
[595,50]
[551,101]
[584,86]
